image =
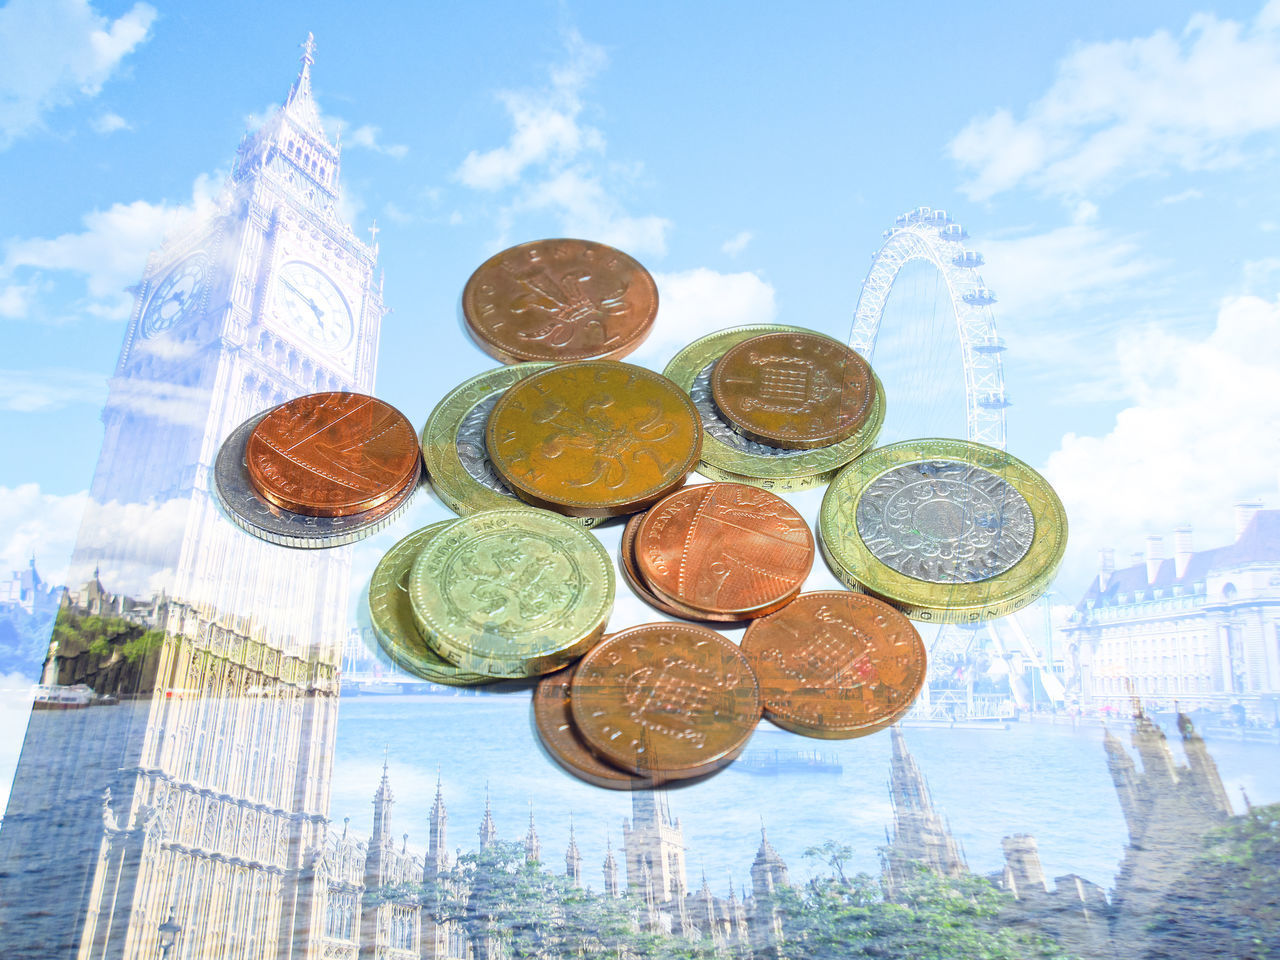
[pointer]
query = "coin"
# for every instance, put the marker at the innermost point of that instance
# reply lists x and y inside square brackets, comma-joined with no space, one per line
[834,664]
[674,700]
[729,550]
[560,300]
[594,439]
[512,592]
[727,455]
[332,454]
[627,556]
[243,505]
[799,391]
[454,447]
[391,613]
[946,530]
[553,719]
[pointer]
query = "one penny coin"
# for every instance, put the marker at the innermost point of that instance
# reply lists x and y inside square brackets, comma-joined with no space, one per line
[673,700]
[332,454]
[553,720]
[798,391]
[834,664]
[627,556]
[594,439]
[560,300]
[729,550]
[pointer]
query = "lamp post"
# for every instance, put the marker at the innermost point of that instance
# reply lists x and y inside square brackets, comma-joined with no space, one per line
[169,931]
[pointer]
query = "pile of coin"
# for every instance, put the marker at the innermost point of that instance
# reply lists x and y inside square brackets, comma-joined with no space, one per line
[319,471]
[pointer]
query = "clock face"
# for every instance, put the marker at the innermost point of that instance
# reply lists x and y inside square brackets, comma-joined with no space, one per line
[307,302]
[176,296]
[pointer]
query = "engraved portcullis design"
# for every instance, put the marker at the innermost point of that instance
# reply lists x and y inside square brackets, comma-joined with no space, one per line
[945,521]
[714,423]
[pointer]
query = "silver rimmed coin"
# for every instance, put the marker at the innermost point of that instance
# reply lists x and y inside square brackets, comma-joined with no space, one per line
[243,505]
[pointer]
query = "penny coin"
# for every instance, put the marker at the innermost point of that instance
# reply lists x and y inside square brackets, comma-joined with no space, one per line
[594,439]
[553,719]
[512,593]
[391,614]
[673,700]
[560,300]
[728,455]
[834,664]
[627,556]
[946,530]
[730,550]
[332,454]
[246,508]
[798,391]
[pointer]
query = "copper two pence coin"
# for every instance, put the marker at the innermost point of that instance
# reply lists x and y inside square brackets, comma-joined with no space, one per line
[332,454]
[560,300]
[594,439]
[553,720]
[835,664]
[798,391]
[673,700]
[730,551]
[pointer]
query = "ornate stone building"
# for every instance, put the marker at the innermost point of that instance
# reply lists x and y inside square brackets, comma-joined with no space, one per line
[198,801]
[1200,628]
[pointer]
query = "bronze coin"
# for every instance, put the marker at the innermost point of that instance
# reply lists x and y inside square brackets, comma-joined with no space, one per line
[560,300]
[553,720]
[627,556]
[594,439]
[673,700]
[835,664]
[798,391]
[727,549]
[332,454]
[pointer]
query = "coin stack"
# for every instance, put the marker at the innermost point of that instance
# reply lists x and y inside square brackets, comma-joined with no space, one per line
[319,471]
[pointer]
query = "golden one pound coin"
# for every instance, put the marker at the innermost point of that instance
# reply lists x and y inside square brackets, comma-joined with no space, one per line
[799,391]
[512,593]
[594,439]
[834,664]
[560,300]
[946,530]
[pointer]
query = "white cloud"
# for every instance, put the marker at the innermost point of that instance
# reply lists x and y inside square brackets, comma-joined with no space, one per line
[1131,108]
[546,127]
[369,137]
[109,123]
[141,538]
[693,303]
[1182,196]
[39,524]
[109,253]
[55,52]
[585,208]
[737,243]
[30,391]
[1199,433]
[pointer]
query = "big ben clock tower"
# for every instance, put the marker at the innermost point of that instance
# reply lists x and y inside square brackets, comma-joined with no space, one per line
[200,799]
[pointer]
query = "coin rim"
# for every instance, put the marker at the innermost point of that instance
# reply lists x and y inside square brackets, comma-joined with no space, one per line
[685,772]
[595,508]
[401,641]
[752,431]
[511,355]
[462,650]
[829,731]
[854,564]
[810,468]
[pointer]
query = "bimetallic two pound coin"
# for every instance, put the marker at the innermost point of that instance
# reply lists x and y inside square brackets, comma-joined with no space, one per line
[391,613]
[332,454]
[834,664]
[553,719]
[560,300]
[671,700]
[512,593]
[946,530]
[727,551]
[249,510]
[799,391]
[594,439]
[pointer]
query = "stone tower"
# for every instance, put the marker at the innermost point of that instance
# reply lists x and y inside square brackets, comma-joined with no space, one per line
[202,795]
[654,847]
[920,837]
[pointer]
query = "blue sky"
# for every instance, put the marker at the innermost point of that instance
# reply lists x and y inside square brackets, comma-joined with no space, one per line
[1115,164]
